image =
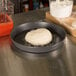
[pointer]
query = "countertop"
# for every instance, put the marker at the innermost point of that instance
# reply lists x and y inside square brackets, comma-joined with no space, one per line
[60,62]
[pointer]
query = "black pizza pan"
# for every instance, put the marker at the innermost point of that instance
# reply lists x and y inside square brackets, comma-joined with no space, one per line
[19,32]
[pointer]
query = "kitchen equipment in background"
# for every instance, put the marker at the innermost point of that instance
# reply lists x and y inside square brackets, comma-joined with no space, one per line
[10,7]
[35,4]
[6,23]
[26,7]
[45,3]
[66,23]
[41,5]
[6,6]
[61,8]
[18,35]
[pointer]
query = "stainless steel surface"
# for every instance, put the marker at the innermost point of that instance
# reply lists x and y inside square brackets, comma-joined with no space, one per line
[12,64]
[61,62]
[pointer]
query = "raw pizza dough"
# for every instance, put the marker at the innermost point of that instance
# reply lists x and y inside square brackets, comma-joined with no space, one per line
[40,36]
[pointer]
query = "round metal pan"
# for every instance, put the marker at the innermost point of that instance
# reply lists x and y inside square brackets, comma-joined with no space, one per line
[19,32]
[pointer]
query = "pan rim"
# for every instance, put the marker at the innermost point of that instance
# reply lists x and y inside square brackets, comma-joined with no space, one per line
[54,47]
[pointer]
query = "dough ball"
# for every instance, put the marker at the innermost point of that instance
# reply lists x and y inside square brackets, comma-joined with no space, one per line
[40,36]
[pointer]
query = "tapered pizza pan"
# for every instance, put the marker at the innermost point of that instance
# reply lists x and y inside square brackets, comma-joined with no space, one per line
[19,32]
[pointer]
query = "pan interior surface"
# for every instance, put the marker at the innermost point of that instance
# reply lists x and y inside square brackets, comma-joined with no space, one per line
[18,37]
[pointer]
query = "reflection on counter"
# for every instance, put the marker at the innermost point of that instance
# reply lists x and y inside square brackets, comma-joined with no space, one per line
[55,64]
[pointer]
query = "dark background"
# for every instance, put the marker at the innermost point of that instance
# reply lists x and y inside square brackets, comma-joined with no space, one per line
[18,4]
